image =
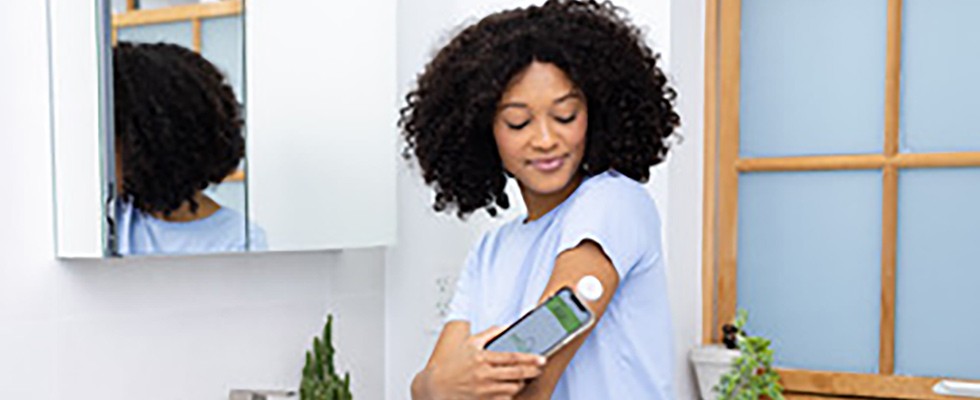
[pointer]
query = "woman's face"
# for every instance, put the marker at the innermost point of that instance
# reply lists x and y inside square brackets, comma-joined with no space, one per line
[540,128]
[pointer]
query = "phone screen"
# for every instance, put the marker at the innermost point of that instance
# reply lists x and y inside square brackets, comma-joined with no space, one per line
[544,327]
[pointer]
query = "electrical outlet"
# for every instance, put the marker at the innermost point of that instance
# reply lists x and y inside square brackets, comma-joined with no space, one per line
[445,286]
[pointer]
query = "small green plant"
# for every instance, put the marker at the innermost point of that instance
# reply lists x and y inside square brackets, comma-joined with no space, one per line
[751,376]
[320,380]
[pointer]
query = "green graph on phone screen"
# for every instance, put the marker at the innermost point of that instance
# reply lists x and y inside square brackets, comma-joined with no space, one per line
[563,313]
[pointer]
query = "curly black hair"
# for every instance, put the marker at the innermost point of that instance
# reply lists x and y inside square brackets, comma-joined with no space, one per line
[448,119]
[178,125]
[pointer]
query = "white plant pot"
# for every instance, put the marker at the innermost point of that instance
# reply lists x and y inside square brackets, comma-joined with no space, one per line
[710,363]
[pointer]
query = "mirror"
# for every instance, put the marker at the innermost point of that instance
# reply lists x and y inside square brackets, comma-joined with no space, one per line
[195,127]
[179,133]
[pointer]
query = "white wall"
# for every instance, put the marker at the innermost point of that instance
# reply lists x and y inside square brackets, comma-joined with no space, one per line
[429,246]
[187,328]
[685,186]
[433,246]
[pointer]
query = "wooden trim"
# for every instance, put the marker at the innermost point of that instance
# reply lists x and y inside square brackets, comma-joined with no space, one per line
[893,64]
[811,163]
[867,385]
[237,176]
[728,114]
[130,5]
[889,249]
[115,36]
[178,13]
[889,209]
[710,204]
[196,34]
[861,161]
[937,160]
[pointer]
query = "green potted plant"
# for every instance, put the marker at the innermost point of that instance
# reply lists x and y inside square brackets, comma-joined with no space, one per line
[320,379]
[740,369]
[751,376]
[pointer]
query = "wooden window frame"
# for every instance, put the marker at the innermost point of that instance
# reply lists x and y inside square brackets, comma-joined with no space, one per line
[192,13]
[721,173]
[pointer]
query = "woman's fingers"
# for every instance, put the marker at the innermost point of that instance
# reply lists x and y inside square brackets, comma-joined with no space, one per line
[498,358]
[502,375]
[481,339]
[514,373]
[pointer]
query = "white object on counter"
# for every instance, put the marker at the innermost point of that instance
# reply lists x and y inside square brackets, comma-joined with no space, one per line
[711,362]
[954,388]
[245,394]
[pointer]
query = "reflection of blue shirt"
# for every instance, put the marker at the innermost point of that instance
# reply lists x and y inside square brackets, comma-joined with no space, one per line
[221,232]
[629,355]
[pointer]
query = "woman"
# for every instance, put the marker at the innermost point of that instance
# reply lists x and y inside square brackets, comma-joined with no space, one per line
[178,130]
[568,100]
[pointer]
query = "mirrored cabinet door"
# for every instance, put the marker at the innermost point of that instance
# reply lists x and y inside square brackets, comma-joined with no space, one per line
[323,107]
[185,127]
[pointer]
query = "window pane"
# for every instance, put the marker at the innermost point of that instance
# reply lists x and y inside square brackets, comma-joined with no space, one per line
[940,83]
[221,43]
[117,6]
[179,33]
[809,266]
[813,77]
[937,296]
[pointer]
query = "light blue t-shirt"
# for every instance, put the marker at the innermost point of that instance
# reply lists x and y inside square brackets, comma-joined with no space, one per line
[629,355]
[140,233]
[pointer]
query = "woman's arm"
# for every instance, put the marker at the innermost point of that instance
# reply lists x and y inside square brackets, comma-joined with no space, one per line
[585,259]
[460,368]
[453,335]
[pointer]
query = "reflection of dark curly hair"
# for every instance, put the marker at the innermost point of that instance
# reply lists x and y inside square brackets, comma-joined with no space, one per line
[178,125]
[448,121]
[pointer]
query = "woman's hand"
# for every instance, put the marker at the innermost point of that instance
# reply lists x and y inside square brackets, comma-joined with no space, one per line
[471,372]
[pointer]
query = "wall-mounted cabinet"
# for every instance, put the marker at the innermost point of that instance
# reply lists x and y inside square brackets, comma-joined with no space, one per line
[289,146]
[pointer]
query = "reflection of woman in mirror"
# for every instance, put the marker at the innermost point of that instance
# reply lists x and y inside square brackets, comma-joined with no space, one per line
[567,99]
[178,130]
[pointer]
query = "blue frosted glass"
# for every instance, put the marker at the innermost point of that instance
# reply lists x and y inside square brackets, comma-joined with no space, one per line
[809,266]
[180,33]
[938,274]
[813,77]
[222,44]
[118,6]
[940,83]
[152,4]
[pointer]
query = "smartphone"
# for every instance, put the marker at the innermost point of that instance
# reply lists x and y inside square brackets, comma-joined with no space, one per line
[548,327]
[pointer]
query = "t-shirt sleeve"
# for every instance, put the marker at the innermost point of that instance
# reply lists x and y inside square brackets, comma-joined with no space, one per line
[621,218]
[461,305]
